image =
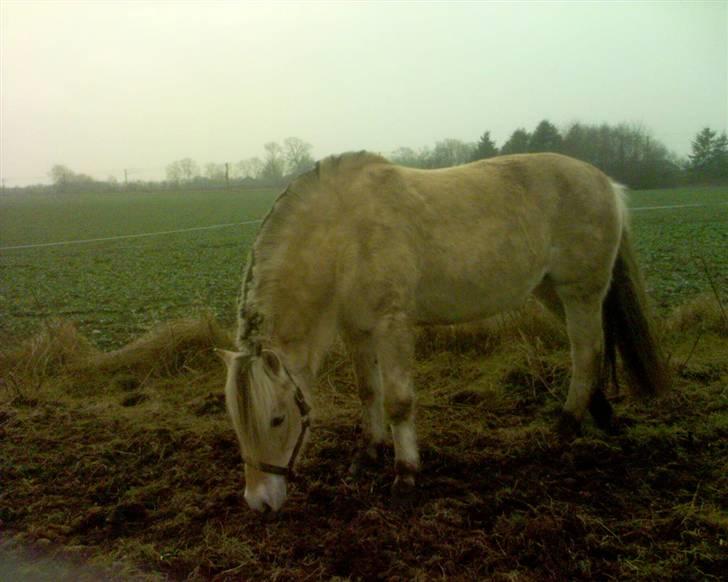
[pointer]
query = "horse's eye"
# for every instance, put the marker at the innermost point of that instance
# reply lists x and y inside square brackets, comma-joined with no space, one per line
[277,421]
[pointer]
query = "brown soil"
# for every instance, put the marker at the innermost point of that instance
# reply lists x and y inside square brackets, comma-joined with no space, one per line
[124,466]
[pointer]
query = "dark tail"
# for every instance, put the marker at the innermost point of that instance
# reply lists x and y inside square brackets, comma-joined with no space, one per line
[628,328]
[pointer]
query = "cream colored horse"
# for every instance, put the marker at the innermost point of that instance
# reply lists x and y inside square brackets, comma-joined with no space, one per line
[367,249]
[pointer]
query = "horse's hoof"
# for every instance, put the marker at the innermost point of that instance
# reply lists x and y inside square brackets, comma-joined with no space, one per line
[568,427]
[366,459]
[354,469]
[403,491]
[357,468]
[602,412]
[618,425]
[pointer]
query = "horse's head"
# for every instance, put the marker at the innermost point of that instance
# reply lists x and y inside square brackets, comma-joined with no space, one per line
[270,416]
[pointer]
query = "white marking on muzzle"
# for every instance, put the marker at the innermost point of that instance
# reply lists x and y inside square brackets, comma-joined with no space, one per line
[268,493]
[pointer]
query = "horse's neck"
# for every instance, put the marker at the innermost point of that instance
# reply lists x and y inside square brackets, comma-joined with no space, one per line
[288,300]
[303,351]
[305,354]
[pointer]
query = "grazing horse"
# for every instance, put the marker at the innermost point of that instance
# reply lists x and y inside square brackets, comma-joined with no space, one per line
[364,249]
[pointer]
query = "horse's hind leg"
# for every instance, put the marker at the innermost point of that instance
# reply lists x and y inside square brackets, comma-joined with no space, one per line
[374,430]
[599,406]
[584,324]
[601,409]
[547,296]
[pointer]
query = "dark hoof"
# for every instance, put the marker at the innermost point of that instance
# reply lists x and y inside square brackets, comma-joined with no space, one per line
[403,492]
[602,413]
[366,460]
[619,425]
[568,427]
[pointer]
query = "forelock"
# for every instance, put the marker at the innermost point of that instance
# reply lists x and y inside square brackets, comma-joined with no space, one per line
[258,400]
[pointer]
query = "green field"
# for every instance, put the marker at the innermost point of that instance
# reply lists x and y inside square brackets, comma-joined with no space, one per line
[115,289]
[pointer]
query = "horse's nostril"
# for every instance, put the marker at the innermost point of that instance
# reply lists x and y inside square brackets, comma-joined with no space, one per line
[268,515]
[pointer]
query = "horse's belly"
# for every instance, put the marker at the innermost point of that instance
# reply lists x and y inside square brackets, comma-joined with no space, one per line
[459,303]
[453,291]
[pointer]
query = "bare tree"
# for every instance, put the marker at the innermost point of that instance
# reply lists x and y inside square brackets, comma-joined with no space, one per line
[451,152]
[298,155]
[64,178]
[188,169]
[253,167]
[405,156]
[174,172]
[215,172]
[60,175]
[274,164]
[250,168]
[184,170]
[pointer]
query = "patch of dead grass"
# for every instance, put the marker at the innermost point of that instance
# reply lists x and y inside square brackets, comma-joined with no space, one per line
[701,314]
[148,480]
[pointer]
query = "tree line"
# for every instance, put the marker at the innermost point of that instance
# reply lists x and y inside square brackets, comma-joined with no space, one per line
[279,163]
[627,153]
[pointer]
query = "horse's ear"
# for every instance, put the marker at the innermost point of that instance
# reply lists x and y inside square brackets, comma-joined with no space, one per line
[271,361]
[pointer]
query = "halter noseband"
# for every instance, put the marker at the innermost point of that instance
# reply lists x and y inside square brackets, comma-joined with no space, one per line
[303,409]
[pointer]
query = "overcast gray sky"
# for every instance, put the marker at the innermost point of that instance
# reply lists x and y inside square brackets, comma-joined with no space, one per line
[103,86]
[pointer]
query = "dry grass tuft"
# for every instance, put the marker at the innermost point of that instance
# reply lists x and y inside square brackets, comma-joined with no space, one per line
[703,313]
[532,321]
[476,338]
[54,350]
[58,346]
[59,351]
[536,323]
[170,349]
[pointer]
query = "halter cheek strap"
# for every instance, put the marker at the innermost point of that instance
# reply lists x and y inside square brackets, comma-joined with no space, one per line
[303,409]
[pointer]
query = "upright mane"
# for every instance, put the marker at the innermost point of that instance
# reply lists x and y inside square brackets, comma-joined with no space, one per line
[334,166]
[306,209]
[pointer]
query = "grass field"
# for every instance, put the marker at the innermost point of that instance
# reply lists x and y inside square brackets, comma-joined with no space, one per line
[116,289]
[123,465]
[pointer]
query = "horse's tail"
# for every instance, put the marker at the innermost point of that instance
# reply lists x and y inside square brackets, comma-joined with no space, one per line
[628,326]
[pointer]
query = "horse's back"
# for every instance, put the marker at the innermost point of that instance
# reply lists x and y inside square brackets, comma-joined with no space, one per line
[466,242]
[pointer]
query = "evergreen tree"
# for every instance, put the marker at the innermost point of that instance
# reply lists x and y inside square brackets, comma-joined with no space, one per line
[704,151]
[485,148]
[546,138]
[719,157]
[517,143]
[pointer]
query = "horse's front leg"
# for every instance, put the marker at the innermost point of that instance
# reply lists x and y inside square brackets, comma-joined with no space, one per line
[395,351]
[368,381]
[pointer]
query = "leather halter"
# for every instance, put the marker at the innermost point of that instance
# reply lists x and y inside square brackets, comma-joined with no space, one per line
[303,409]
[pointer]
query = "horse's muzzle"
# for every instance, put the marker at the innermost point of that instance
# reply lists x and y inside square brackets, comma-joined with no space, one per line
[267,495]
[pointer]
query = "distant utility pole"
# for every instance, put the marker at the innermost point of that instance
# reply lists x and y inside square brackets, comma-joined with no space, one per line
[126,180]
[227,175]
